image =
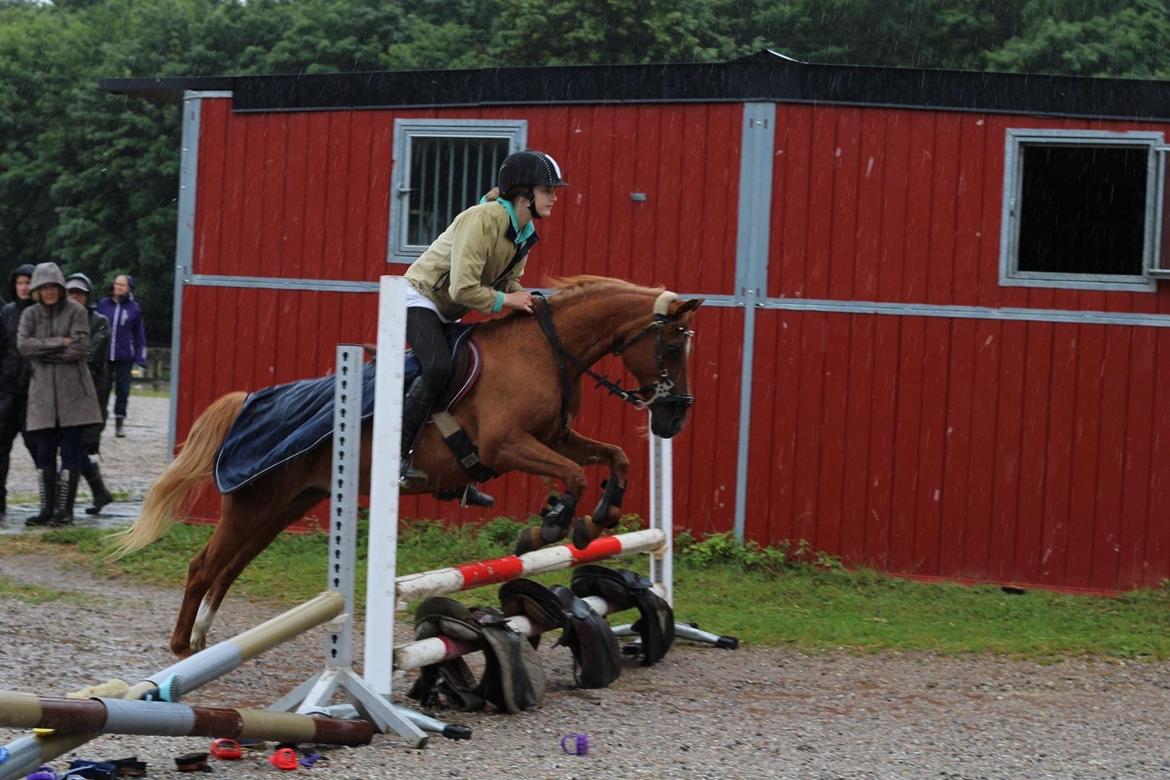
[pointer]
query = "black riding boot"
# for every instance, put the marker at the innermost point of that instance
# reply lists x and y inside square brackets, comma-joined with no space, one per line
[47,482]
[416,410]
[118,432]
[97,486]
[468,495]
[66,494]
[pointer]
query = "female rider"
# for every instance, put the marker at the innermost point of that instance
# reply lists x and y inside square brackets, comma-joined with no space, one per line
[475,264]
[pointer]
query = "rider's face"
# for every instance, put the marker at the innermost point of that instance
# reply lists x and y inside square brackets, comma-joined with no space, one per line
[545,198]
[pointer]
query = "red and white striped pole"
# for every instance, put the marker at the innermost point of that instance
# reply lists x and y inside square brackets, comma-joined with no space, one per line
[509,567]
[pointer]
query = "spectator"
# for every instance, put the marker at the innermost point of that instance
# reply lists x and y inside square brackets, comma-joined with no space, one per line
[78,287]
[14,374]
[127,343]
[54,337]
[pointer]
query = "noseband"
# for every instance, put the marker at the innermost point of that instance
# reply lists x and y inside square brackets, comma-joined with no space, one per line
[641,397]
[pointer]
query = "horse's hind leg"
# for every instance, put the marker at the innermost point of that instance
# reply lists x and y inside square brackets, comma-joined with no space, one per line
[198,581]
[232,534]
[240,548]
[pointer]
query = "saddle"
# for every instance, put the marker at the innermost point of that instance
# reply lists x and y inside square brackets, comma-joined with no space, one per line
[513,679]
[596,656]
[625,589]
[466,365]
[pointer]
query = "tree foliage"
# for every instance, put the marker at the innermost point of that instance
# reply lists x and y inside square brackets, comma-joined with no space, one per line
[90,179]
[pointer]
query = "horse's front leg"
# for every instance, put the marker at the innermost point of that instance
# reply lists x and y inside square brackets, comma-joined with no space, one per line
[608,513]
[522,452]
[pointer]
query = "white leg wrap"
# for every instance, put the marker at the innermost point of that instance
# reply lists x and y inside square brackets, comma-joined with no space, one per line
[199,631]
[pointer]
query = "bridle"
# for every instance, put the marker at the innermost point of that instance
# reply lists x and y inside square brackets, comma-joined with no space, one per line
[640,397]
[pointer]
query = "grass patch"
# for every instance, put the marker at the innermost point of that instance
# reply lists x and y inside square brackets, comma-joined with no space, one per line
[765,596]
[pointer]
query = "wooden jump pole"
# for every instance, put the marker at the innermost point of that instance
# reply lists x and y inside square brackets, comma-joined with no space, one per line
[27,753]
[164,719]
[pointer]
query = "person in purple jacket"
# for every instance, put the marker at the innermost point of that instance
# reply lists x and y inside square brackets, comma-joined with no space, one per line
[127,344]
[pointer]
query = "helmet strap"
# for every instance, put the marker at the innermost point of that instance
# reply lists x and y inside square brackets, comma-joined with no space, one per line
[531,196]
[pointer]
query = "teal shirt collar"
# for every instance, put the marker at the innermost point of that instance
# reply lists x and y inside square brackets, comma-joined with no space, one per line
[522,235]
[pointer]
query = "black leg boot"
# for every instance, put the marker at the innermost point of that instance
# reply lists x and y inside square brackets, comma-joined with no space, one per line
[47,482]
[469,495]
[118,432]
[66,494]
[97,486]
[416,409]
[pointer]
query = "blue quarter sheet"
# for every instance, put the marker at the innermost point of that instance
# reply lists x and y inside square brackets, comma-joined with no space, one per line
[280,423]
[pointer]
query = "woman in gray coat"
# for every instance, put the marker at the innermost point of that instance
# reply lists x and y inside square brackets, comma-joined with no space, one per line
[54,338]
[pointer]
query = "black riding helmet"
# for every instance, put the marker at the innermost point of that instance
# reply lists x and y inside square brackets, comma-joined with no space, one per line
[526,170]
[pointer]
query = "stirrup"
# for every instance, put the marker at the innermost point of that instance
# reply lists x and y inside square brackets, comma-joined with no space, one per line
[412,478]
[468,495]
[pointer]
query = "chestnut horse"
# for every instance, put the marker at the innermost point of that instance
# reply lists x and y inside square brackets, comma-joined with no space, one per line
[519,414]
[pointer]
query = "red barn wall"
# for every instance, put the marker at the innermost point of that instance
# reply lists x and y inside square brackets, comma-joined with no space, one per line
[944,436]
[959,444]
[307,196]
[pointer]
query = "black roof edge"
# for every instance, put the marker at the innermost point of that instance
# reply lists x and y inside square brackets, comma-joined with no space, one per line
[766,77]
[167,89]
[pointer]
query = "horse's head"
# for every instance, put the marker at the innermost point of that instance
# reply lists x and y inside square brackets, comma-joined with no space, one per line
[657,355]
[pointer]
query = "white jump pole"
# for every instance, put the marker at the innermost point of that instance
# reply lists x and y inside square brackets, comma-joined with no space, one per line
[497,570]
[371,691]
[662,514]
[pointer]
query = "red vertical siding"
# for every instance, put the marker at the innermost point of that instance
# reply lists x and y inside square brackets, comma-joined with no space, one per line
[973,448]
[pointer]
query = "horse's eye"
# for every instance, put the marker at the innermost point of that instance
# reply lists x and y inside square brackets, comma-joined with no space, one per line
[673,352]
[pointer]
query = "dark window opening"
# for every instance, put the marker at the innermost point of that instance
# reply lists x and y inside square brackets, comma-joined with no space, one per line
[447,175]
[1082,210]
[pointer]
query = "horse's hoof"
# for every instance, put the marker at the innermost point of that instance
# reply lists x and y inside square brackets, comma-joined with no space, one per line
[581,537]
[555,520]
[528,541]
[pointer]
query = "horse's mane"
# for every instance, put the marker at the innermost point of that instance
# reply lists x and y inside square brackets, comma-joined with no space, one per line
[570,288]
[574,286]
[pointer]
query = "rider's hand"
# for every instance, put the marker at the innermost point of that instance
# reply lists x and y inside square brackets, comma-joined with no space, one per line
[521,300]
[67,340]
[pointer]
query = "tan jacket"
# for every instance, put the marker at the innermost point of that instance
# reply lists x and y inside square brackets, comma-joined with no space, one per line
[465,266]
[61,391]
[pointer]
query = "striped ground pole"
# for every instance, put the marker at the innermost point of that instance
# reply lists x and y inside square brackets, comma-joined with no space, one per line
[163,719]
[25,754]
[473,575]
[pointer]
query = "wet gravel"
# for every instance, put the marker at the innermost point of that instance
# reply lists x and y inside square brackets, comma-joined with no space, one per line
[701,713]
[129,465]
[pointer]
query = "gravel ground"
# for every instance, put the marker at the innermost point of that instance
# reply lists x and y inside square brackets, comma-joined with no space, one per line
[700,713]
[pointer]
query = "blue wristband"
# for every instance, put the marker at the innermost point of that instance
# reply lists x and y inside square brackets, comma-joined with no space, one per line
[499,304]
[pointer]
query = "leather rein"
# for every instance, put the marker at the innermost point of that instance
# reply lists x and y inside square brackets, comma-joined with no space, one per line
[640,397]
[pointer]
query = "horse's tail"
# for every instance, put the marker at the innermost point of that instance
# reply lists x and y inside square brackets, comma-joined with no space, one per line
[173,493]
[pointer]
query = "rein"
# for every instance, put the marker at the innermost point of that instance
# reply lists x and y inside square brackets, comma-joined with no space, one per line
[640,397]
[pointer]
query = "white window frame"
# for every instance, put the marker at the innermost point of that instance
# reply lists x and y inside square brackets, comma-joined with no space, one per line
[515,131]
[1009,273]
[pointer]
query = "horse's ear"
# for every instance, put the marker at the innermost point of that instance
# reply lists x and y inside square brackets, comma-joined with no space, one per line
[687,307]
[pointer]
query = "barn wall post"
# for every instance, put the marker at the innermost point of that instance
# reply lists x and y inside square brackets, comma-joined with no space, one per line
[751,267]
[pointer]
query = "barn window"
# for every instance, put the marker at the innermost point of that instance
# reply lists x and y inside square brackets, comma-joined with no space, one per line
[441,168]
[1082,209]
